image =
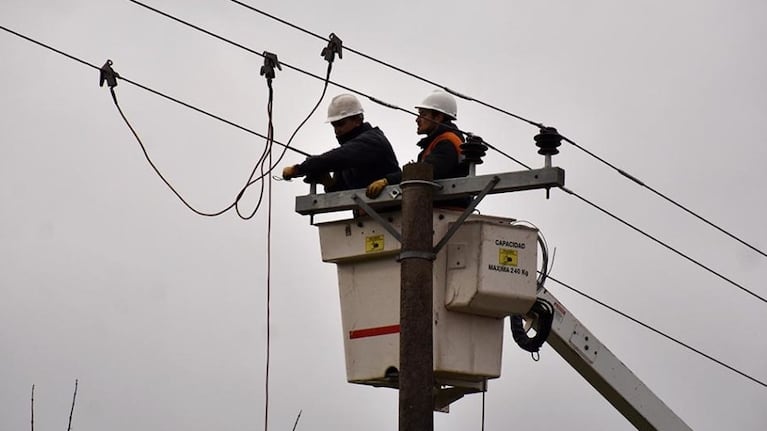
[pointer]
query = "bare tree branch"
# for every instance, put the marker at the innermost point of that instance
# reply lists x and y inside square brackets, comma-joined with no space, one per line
[297,418]
[74,397]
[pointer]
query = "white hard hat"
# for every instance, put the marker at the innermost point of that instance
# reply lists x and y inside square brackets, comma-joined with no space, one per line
[441,101]
[342,106]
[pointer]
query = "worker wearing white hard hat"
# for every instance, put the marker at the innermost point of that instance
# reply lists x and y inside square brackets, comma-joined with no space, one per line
[440,147]
[364,153]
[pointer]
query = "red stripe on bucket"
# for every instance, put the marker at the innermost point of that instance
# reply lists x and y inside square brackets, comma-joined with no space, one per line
[373,332]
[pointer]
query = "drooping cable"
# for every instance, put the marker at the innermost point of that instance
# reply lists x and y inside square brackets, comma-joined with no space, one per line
[154,167]
[268,271]
[265,155]
[293,135]
[663,334]
[513,115]
[544,246]
[115,76]
[108,75]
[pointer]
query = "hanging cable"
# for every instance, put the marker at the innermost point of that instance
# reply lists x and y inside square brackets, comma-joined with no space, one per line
[328,53]
[543,244]
[268,266]
[663,334]
[109,76]
[268,72]
[542,312]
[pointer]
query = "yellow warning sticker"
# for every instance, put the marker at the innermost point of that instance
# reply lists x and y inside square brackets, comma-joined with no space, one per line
[374,243]
[508,256]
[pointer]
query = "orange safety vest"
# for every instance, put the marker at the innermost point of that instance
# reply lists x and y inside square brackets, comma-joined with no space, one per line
[456,141]
[445,136]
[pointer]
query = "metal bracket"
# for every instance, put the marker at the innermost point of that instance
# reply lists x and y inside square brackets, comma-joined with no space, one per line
[466,213]
[412,254]
[377,217]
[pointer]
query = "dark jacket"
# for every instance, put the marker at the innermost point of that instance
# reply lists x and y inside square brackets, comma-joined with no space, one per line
[365,155]
[445,159]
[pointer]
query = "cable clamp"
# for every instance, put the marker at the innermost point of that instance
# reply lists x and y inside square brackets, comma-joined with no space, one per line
[270,62]
[108,75]
[335,46]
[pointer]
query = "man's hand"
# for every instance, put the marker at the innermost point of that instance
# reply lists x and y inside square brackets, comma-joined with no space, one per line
[325,179]
[290,172]
[376,187]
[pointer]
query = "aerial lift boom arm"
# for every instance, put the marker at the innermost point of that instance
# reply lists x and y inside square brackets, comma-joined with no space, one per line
[606,373]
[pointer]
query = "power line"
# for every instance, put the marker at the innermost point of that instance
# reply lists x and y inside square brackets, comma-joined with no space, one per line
[663,334]
[656,240]
[511,114]
[666,198]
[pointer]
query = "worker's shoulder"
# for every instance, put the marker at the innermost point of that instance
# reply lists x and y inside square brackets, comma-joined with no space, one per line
[373,135]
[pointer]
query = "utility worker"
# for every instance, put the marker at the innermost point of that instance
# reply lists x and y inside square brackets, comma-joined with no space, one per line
[363,156]
[440,147]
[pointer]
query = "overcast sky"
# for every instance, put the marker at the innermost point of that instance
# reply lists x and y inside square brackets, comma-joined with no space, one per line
[107,278]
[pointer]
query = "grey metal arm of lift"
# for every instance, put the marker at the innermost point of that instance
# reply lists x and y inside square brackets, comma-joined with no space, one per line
[607,374]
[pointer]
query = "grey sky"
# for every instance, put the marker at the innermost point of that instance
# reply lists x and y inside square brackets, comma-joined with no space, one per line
[107,278]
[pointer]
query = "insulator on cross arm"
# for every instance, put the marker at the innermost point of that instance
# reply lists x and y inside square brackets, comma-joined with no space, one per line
[547,141]
[473,149]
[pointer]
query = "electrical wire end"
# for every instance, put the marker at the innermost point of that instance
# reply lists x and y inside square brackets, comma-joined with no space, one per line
[108,75]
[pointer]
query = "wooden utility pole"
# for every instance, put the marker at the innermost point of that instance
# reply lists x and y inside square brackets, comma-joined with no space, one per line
[416,372]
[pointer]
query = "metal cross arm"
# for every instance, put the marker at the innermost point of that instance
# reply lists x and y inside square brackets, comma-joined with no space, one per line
[451,188]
